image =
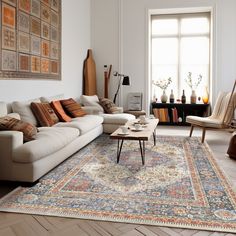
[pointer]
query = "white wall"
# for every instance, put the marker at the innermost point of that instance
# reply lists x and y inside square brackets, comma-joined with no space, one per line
[75,42]
[132,47]
[105,39]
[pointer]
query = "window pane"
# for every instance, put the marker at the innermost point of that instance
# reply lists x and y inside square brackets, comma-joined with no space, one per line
[163,72]
[195,70]
[165,51]
[164,26]
[195,50]
[195,25]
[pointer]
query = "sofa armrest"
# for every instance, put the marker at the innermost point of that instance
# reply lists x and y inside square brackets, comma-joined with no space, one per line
[9,140]
[92,110]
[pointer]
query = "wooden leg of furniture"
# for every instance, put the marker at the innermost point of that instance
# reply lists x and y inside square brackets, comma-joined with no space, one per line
[191,131]
[142,150]
[119,148]
[203,134]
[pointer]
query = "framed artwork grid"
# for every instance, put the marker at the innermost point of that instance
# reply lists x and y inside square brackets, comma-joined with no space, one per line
[30,42]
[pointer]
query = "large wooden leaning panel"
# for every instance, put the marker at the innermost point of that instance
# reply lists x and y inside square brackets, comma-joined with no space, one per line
[90,84]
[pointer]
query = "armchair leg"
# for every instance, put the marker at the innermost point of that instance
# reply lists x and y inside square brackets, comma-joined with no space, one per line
[191,131]
[203,134]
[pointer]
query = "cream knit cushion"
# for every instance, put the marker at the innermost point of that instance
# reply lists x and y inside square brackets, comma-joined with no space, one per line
[91,101]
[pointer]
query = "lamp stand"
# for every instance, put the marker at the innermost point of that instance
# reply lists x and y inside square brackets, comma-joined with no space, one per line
[117,91]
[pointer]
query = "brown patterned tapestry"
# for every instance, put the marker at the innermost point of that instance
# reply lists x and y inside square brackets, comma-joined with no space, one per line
[30,42]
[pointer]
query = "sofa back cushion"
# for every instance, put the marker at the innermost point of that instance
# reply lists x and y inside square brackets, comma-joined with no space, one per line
[10,123]
[25,112]
[3,109]
[57,107]
[44,114]
[52,98]
[72,108]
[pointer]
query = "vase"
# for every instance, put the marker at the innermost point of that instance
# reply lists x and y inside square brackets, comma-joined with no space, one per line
[172,97]
[183,98]
[193,97]
[205,97]
[164,97]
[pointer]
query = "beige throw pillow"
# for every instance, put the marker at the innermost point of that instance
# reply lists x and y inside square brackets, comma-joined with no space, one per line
[108,106]
[91,101]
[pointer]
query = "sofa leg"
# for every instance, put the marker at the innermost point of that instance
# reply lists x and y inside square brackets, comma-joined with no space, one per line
[191,131]
[203,134]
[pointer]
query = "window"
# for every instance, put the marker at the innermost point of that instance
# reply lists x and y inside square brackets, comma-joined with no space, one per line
[180,44]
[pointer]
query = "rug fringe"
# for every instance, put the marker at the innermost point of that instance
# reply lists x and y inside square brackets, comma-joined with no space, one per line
[122,220]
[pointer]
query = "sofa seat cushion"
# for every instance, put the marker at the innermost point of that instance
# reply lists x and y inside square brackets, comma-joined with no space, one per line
[47,141]
[84,123]
[120,118]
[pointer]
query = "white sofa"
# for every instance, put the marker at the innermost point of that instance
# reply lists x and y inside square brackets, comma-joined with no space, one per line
[27,162]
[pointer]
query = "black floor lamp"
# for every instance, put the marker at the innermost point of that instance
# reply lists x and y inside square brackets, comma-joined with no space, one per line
[125,81]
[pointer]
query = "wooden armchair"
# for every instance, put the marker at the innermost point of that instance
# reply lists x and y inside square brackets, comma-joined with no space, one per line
[221,117]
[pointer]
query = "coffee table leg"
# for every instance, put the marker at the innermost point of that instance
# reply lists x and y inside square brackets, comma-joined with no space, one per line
[119,147]
[142,151]
[154,138]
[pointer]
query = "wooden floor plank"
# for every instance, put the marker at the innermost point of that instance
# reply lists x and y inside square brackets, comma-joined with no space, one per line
[109,228]
[144,230]
[22,228]
[127,227]
[159,231]
[72,231]
[188,232]
[35,226]
[132,233]
[42,220]
[203,233]
[7,232]
[99,228]
[87,228]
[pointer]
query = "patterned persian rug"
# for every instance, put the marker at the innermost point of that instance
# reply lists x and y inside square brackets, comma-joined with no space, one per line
[180,186]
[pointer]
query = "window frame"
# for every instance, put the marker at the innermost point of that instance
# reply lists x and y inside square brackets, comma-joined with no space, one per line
[179,36]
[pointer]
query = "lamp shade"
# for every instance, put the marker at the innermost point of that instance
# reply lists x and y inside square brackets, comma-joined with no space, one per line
[126,80]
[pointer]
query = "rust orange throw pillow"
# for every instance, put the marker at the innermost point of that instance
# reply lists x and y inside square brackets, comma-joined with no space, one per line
[72,107]
[57,107]
[44,114]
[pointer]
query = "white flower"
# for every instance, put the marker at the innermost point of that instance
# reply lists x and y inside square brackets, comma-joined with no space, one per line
[163,84]
[193,84]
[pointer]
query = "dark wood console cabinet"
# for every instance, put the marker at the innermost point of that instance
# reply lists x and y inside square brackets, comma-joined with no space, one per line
[182,110]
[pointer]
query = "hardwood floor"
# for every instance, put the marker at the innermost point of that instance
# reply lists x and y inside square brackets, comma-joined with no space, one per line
[27,225]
